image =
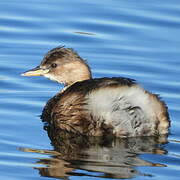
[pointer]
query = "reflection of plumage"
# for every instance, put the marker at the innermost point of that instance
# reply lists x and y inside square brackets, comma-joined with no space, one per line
[117,106]
[112,157]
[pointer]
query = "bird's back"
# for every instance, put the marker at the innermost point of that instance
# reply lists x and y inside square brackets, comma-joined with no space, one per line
[103,106]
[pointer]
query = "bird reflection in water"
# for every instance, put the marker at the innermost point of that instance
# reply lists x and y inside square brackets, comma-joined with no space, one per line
[106,157]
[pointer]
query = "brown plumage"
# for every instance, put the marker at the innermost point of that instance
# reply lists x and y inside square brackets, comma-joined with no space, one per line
[102,106]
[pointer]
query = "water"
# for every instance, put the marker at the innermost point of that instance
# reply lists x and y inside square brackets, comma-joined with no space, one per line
[136,39]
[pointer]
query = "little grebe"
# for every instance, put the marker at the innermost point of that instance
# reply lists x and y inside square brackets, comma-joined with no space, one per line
[100,106]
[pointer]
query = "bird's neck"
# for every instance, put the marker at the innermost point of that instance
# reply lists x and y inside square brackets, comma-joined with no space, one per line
[75,74]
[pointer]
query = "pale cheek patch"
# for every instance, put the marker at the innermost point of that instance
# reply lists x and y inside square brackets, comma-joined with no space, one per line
[51,77]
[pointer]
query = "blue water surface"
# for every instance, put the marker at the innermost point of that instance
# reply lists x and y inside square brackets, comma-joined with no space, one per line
[135,39]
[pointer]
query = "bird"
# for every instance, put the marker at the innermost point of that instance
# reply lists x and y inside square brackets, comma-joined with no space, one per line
[116,106]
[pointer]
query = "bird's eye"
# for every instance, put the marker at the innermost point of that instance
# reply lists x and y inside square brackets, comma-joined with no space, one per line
[54,65]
